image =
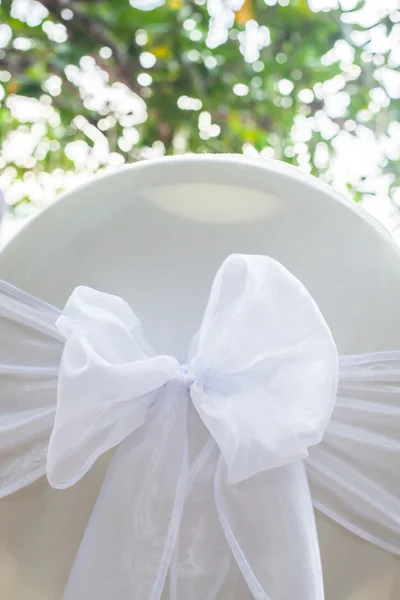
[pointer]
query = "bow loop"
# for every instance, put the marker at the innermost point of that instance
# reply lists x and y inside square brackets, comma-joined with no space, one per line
[268,365]
[106,383]
[104,314]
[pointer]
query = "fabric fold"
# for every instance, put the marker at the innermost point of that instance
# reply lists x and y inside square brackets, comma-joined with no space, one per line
[201,559]
[270,527]
[354,473]
[30,354]
[131,535]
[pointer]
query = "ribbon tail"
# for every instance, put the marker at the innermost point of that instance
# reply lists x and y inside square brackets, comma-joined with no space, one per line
[202,557]
[269,524]
[129,541]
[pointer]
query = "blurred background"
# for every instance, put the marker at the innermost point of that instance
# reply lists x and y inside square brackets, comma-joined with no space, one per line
[87,86]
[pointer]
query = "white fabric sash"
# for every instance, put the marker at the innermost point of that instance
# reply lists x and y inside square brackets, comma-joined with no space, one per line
[257,392]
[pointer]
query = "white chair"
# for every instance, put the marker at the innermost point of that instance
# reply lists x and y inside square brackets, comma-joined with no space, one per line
[155,234]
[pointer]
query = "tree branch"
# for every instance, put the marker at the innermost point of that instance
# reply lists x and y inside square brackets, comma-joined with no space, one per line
[83,25]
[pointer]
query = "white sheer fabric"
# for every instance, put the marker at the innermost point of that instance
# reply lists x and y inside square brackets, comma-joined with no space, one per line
[354,472]
[262,376]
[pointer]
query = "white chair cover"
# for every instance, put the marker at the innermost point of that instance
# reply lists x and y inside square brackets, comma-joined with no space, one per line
[194,485]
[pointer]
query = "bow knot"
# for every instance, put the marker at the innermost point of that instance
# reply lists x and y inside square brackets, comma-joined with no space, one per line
[186,375]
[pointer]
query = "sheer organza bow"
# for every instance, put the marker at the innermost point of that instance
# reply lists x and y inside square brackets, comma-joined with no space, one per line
[261,377]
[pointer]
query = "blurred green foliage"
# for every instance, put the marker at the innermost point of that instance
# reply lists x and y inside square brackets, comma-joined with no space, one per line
[124,83]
